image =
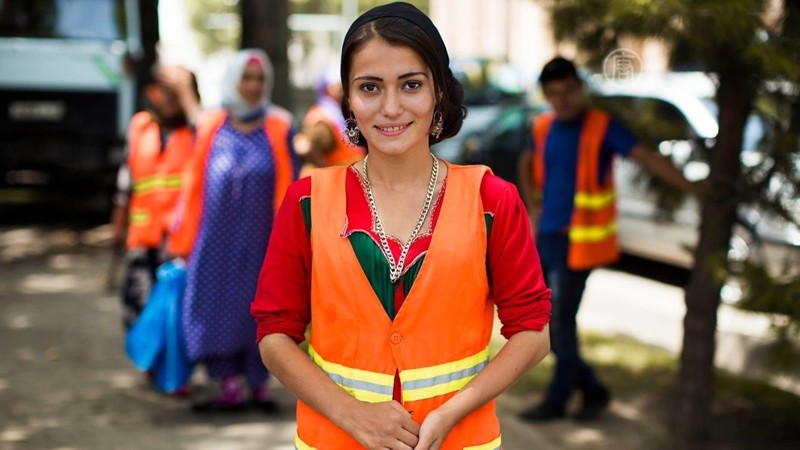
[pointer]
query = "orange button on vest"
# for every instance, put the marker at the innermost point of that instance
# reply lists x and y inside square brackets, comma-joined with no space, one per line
[437,342]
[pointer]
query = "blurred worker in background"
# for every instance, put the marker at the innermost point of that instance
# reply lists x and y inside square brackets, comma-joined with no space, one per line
[148,184]
[320,142]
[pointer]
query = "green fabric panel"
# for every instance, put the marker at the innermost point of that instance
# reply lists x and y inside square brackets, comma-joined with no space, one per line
[374,264]
[305,205]
[376,269]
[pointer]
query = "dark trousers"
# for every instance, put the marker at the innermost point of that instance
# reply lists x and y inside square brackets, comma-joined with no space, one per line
[571,371]
[140,276]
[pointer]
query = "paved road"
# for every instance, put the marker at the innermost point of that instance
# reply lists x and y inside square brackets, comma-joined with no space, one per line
[65,383]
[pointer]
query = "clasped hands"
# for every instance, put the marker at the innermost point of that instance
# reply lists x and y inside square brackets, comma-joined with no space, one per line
[387,425]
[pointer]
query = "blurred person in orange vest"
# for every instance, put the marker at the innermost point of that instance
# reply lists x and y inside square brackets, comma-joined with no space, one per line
[572,207]
[148,184]
[397,263]
[321,142]
[243,162]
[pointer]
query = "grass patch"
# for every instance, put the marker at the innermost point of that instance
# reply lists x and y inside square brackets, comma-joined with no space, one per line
[747,413]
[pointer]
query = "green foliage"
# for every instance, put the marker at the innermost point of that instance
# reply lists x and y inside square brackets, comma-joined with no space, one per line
[696,29]
[780,298]
[335,6]
[215,24]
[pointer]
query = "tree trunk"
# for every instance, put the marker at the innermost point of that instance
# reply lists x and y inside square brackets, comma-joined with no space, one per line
[695,381]
[148,14]
[264,26]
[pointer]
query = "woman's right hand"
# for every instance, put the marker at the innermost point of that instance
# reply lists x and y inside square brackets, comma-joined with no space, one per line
[385,425]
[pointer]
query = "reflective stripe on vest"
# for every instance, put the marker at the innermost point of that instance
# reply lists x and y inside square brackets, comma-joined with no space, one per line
[593,226]
[156,176]
[427,382]
[139,217]
[436,347]
[166,182]
[300,445]
[372,387]
[495,444]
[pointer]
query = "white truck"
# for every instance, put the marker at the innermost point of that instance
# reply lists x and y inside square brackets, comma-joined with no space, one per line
[67,92]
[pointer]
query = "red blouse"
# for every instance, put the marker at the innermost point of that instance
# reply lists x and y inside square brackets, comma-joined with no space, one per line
[282,301]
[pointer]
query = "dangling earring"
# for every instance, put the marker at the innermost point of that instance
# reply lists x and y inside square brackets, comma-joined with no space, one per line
[351,134]
[438,127]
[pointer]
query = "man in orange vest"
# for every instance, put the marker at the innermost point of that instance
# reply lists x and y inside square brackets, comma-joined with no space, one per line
[572,208]
[148,184]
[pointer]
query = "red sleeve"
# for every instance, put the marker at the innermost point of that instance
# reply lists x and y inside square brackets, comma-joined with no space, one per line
[516,281]
[282,301]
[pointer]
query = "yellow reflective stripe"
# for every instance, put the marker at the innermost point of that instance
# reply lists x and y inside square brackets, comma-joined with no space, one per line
[594,201]
[427,382]
[139,217]
[494,445]
[300,445]
[592,233]
[157,182]
[364,385]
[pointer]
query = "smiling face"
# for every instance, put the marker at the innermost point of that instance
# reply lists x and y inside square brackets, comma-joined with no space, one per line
[252,84]
[392,96]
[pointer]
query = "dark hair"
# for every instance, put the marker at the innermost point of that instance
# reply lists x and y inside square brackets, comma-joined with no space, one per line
[559,68]
[152,78]
[400,32]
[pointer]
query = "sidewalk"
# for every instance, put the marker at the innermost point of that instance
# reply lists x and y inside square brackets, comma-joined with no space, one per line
[66,384]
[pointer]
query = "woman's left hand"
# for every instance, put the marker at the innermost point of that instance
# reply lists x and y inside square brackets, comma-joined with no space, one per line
[433,431]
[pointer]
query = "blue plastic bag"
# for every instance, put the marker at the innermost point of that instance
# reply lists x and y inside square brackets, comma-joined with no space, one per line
[146,337]
[155,342]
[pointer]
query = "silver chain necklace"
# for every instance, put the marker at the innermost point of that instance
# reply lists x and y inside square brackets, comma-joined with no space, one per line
[395,270]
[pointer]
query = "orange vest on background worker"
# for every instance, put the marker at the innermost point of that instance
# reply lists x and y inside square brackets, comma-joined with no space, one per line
[342,154]
[437,342]
[593,226]
[277,125]
[155,179]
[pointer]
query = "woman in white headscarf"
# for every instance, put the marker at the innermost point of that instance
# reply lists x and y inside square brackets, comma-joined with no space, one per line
[243,162]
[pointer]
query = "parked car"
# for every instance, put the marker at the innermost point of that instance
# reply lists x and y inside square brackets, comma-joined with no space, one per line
[676,114]
[490,86]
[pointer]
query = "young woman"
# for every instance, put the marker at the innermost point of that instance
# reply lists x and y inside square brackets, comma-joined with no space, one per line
[242,164]
[397,263]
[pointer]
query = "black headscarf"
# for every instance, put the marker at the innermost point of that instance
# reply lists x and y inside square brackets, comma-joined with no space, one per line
[408,12]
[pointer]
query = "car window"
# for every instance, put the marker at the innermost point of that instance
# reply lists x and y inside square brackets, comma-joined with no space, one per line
[510,131]
[651,120]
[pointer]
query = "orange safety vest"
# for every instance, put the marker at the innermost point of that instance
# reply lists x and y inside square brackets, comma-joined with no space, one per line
[593,226]
[342,154]
[437,342]
[155,179]
[277,125]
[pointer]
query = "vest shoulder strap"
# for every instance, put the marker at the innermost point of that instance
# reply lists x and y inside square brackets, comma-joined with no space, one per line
[139,122]
[278,125]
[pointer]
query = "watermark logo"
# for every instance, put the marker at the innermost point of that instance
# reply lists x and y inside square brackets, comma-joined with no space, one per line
[622,65]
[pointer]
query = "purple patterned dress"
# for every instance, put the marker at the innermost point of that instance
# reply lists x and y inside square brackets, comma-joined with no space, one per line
[226,258]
